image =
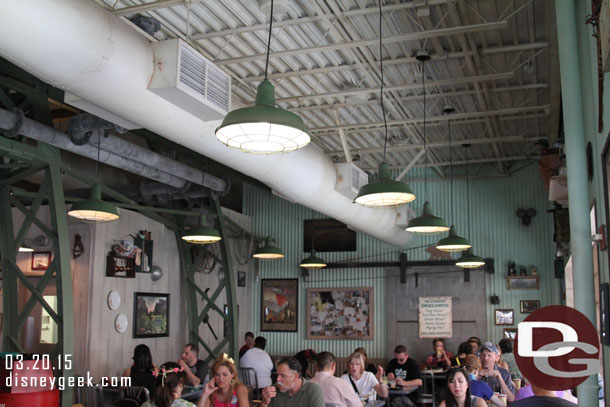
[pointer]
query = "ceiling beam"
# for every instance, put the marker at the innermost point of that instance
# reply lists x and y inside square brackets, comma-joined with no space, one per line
[410,86]
[442,118]
[313,19]
[435,144]
[155,5]
[446,163]
[415,36]
[414,97]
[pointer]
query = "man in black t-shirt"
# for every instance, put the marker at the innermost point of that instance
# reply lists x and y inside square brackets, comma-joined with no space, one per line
[196,369]
[405,371]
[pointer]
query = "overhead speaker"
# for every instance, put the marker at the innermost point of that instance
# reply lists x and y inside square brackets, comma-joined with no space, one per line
[489,266]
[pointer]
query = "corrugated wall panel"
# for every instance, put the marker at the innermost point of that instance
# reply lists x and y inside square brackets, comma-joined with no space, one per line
[496,232]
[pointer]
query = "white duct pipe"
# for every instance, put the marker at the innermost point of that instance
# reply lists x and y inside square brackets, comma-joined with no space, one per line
[77,46]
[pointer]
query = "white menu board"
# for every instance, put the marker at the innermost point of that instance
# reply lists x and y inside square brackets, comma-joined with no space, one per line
[435,317]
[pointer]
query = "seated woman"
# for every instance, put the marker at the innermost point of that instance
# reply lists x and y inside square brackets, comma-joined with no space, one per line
[440,358]
[369,367]
[224,390]
[458,394]
[464,350]
[169,384]
[142,370]
[365,384]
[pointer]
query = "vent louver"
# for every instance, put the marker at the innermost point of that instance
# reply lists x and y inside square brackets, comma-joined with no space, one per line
[187,79]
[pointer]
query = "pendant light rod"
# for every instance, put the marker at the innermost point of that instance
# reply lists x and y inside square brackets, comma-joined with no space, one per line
[466,146]
[423,56]
[269,40]
[448,110]
[385,121]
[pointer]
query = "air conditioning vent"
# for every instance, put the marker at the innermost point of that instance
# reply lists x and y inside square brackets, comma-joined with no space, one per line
[350,179]
[192,70]
[187,79]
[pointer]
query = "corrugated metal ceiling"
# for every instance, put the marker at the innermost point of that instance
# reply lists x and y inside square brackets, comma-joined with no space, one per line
[494,61]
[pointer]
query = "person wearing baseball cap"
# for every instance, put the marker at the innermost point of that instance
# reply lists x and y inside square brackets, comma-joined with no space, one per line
[496,377]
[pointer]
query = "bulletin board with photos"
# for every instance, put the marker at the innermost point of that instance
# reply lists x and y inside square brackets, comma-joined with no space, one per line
[340,313]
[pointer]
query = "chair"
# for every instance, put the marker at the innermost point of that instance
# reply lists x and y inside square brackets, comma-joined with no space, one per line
[247,375]
[139,394]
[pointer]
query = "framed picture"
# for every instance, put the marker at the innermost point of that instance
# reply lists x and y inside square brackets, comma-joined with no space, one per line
[522,282]
[279,304]
[510,333]
[340,313]
[505,317]
[41,260]
[150,315]
[241,278]
[529,306]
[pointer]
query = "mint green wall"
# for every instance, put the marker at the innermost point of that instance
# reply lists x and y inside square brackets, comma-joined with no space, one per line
[589,84]
[496,232]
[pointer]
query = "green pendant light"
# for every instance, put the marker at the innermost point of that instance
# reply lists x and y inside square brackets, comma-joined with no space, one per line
[384,192]
[201,234]
[453,242]
[268,251]
[427,223]
[94,209]
[468,259]
[312,261]
[264,128]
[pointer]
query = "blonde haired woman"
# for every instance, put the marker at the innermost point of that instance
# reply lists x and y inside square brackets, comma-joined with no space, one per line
[224,390]
[365,383]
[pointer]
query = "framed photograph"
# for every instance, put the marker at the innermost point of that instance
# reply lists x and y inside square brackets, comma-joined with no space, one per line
[340,313]
[529,306]
[510,333]
[505,317]
[150,315]
[522,282]
[41,260]
[279,304]
[241,278]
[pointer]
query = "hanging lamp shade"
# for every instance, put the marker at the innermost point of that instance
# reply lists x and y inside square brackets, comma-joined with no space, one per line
[24,248]
[469,260]
[427,223]
[453,242]
[263,128]
[384,192]
[94,209]
[201,234]
[312,262]
[268,251]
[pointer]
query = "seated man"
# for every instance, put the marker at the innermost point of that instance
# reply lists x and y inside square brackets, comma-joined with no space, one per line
[405,371]
[336,391]
[249,338]
[196,370]
[294,391]
[441,358]
[260,361]
[497,378]
[472,365]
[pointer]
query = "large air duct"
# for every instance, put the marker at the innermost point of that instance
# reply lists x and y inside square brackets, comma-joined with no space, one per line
[78,46]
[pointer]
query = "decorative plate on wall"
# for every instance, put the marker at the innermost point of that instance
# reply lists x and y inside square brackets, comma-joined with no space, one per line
[114,300]
[121,323]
